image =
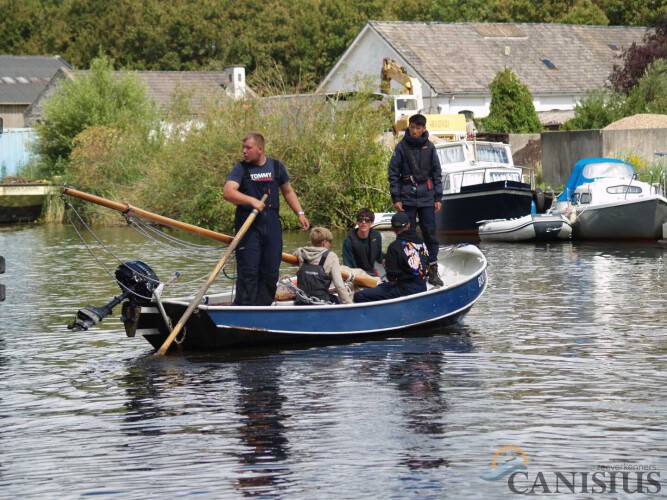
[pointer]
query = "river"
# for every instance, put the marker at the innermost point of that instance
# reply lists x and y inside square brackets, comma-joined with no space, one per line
[560,368]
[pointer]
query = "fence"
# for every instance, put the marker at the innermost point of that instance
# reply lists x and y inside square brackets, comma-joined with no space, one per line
[15,150]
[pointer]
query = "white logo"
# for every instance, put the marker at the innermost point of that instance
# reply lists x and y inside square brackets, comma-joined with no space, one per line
[262,176]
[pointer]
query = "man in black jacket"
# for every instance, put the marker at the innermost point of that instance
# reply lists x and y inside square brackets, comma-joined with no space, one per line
[415,184]
[406,264]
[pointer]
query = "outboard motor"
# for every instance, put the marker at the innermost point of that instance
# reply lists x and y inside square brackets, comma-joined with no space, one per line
[136,279]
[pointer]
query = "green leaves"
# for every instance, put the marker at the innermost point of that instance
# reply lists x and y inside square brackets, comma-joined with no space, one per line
[512,109]
[97,98]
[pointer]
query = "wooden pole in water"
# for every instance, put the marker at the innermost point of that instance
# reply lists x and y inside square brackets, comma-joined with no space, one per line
[214,274]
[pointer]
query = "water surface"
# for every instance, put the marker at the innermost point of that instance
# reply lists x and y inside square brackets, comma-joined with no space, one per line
[564,357]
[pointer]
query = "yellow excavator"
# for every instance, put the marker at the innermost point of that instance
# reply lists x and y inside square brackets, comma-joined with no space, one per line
[410,102]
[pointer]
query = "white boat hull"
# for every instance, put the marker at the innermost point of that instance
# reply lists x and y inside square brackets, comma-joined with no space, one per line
[625,219]
[533,227]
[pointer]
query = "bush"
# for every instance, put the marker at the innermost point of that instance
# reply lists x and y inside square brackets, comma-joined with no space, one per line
[595,111]
[86,100]
[331,149]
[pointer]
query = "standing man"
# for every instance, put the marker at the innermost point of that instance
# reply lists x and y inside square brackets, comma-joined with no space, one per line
[415,185]
[259,253]
[406,264]
[362,248]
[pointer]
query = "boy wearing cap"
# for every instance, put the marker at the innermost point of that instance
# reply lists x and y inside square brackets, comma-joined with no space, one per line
[406,264]
[415,184]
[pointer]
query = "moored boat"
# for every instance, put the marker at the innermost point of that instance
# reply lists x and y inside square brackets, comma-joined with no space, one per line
[607,201]
[480,182]
[532,227]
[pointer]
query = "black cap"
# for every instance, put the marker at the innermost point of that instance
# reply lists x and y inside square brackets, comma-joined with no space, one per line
[400,219]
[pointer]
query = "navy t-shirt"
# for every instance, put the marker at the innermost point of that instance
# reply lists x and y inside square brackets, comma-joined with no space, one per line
[261,180]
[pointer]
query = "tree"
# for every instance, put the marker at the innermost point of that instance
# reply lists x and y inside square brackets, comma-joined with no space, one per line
[512,109]
[638,57]
[95,98]
[650,93]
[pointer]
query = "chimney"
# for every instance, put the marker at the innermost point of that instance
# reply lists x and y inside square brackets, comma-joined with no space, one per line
[236,81]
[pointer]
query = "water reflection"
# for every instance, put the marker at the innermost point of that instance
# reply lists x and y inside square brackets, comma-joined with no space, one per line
[262,432]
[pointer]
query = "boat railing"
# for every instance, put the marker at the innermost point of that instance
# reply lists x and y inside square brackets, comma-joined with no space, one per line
[492,173]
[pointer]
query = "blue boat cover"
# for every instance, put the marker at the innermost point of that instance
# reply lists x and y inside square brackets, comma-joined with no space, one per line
[577,177]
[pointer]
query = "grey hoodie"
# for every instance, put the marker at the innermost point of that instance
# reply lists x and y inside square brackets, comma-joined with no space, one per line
[312,255]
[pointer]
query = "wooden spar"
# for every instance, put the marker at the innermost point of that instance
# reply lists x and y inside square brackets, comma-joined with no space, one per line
[128,209]
[200,294]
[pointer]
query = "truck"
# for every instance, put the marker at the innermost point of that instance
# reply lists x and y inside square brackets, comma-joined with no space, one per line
[410,102]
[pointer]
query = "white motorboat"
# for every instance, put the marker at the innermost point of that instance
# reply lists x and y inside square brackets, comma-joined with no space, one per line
[606,200]
[480,182]
[532,227]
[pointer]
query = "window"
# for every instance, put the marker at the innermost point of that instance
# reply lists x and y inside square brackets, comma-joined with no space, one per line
[493,154]
[549,64]
[607,169]
[585,198]
[452,154]
[624,189]
[406,104]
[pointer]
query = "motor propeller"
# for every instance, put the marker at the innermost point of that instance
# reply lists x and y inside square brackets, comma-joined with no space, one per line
[136,279]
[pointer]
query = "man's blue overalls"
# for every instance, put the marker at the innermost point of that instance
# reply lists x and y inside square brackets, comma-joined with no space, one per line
[259,253]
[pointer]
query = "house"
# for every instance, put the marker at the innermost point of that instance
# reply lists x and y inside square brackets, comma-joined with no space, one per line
[199,86]
[22,80]
[456,62]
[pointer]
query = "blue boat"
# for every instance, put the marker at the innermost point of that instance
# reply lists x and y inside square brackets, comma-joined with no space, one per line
[217,324]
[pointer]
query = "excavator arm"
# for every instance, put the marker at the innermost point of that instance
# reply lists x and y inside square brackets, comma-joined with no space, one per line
[391,70]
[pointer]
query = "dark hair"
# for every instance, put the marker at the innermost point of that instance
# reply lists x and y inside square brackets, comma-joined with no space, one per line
[365,212]
[418,119]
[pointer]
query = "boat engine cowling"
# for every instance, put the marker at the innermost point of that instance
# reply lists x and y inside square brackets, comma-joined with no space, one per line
[137,281]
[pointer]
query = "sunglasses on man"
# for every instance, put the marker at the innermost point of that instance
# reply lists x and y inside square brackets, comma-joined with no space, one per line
[364,219]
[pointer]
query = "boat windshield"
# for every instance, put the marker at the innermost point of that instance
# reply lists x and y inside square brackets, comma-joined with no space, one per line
[604,169]
[495,154]
[451,154]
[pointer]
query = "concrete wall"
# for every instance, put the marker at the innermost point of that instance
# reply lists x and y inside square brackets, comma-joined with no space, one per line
[561,150]
[640,142]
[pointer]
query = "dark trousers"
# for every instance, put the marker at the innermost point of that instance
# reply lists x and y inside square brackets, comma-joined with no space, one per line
[388,290]
[258,258]
[427,225]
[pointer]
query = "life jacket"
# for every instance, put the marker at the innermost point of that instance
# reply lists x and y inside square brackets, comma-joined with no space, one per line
[314,280]
[258,188]
[419,172]
[360,250]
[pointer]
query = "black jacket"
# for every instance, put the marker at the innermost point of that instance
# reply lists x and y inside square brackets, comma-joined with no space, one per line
[401,168]
[407,258]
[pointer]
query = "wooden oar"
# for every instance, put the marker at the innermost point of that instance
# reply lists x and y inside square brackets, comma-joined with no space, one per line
[214,274]
[126,208]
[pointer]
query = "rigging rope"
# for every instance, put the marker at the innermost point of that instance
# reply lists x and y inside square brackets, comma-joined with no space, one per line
[187,249]
[90,250]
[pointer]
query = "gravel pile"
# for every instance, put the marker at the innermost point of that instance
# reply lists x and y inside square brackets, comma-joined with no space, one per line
[639,121]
